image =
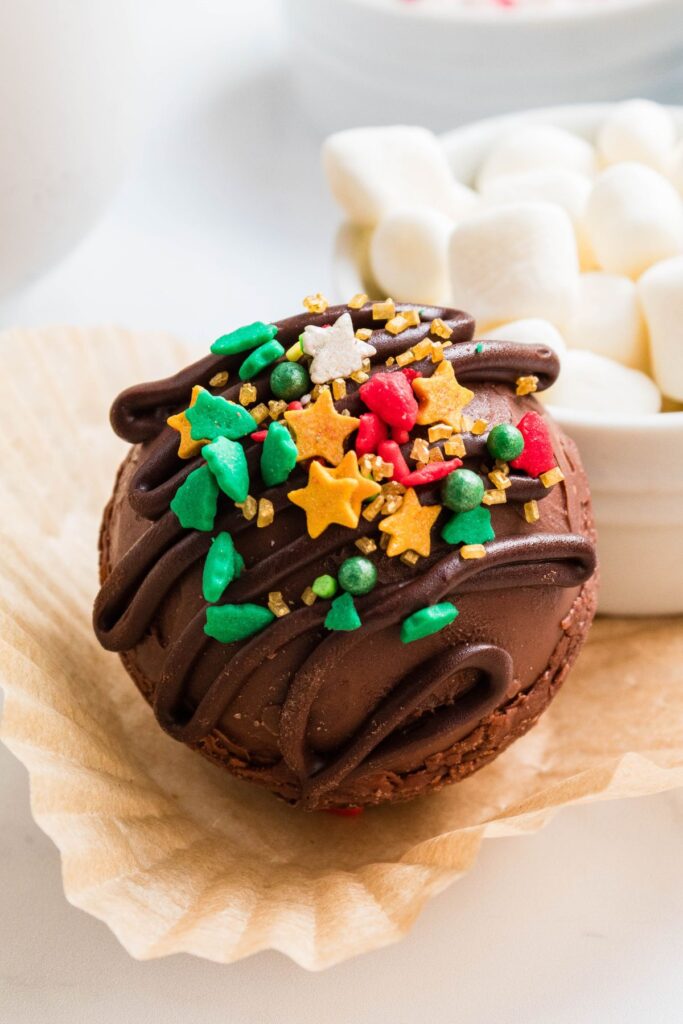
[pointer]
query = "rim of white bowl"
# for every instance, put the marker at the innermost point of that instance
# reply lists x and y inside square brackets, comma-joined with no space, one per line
[562,116]
[434,10]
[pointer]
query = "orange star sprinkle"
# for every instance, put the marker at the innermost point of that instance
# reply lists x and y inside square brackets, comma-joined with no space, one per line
[410,527]
[188,447]
[348,470]
[440,396]
[321,430]
[326,500]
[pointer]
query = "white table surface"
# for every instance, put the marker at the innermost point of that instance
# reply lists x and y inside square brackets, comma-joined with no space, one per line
[225,218]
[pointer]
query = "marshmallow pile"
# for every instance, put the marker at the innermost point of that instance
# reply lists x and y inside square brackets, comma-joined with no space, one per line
[560,241]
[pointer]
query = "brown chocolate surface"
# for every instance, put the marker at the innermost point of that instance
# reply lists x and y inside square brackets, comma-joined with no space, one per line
[332,718]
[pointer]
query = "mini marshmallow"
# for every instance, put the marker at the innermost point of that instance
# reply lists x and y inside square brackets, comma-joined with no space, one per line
[661,293]
[535,146]
[409,256]
[594,384]
[638,130]
[514,262]
[557,185]
[634,218]
[676,167]
[608,320]
[371,171]
[532,331]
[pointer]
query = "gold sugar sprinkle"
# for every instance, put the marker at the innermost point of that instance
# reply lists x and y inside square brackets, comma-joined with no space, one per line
[249,506]
[423,348]
[346,412]
[503,466]
[473,551]
[494,498]
[316,303]
[479,427]
[437,352]
[384,541]
[383,310]
[219,380]
[277,604]
[382,470]
[410,557]
[435,455]
[531,513]
[276,409]
[357,301]
[412,316]
[389,361]
[318,390]
[366,364]
[455,446]
[393,487]
[392,503]
[466,423]
[420,450]
[397,325]
[372,510]
[499,479]
[338,388]
[404,358]
[364,333]
[309,596]
[366,545]
[360,376]
[552,477]
[266,512]
[439,432]
[259,412]
[248,394]
[441,329]
[366,464]
[526,385]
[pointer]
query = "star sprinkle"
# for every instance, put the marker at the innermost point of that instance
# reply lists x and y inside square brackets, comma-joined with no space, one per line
[326,500]
[321,430]
[187,448]
[348,470]
[410,527]
[441,398]
[336,350]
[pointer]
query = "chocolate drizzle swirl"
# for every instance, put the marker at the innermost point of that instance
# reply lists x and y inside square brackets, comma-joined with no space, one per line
[467,679]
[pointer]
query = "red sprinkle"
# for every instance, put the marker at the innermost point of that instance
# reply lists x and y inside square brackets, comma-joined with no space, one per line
[537,456]
[259,435]
[371,433]
[391,397]
[390,452]
[344,812]
[410,373]
[429,473]
[295,405]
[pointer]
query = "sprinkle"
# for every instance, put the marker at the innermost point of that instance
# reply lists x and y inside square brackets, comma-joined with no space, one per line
[309,596]
[277,604]
[228,463]
[324,587]
[259,436]
[338,388]
[348,469]
[437,352]
[276,408]
[366,544]
[441,329]
[382,470]
[479,348]
[219,380]
[473,551]
[223,564]
[248,394]
[336,350]
[318,390]
[390,452]
[405,358]
[462,490]
[552,477]
[230,622]
[455,446]
[420,450]
[471,528]
[410,558]
[423,348]
[321,430]
[249,507]
[371,432]
[479,427]
[316,303]
[289,381]
[435,455]
[279,455]
[266,513]
[383,310]
[412,316]
[392,503]
[364,333]
[439,432]
[505,442]
[196,501]
[244,339]
[494,498]
[431,472]
[428,621]
[357,301]
[531,512]
[294,352]
[537,456]
[499,479]
[213,416]
[187,448]
[325,500]
[260,358]
[397,325]
[441,398]
[372,510]
[391,397]
[260,412]
[389,361]
[410,527]
[466,424]
[526,385]
[342,615]
[393,487]
[384,541]
[360,376]
[357,575]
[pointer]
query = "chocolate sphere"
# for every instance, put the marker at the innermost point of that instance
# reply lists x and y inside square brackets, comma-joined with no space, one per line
[361,695]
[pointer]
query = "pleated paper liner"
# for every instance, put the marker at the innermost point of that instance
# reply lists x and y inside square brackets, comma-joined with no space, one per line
[170,851]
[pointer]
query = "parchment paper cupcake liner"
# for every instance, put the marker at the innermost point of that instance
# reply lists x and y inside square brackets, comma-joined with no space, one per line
[171,852]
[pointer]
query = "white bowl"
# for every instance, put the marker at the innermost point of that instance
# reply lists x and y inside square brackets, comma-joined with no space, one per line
[634,465]
[359,62]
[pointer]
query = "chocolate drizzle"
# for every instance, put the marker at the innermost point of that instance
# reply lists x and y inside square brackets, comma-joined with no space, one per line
[458,685]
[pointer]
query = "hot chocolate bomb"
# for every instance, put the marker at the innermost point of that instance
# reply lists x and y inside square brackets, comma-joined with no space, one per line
[333,566]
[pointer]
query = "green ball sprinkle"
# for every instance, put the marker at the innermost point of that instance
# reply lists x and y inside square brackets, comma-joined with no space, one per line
[505,442]
[462,490]
[260,358]
[358,575]
[289,381]
[324,587]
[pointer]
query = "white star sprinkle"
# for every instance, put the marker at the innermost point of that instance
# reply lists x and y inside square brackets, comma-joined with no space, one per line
[336,350]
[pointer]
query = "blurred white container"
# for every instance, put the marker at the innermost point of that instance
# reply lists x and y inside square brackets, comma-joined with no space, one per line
[634,464]
[360,62]
[66,124]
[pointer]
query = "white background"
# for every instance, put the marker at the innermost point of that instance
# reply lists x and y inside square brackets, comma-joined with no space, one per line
[225,218]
